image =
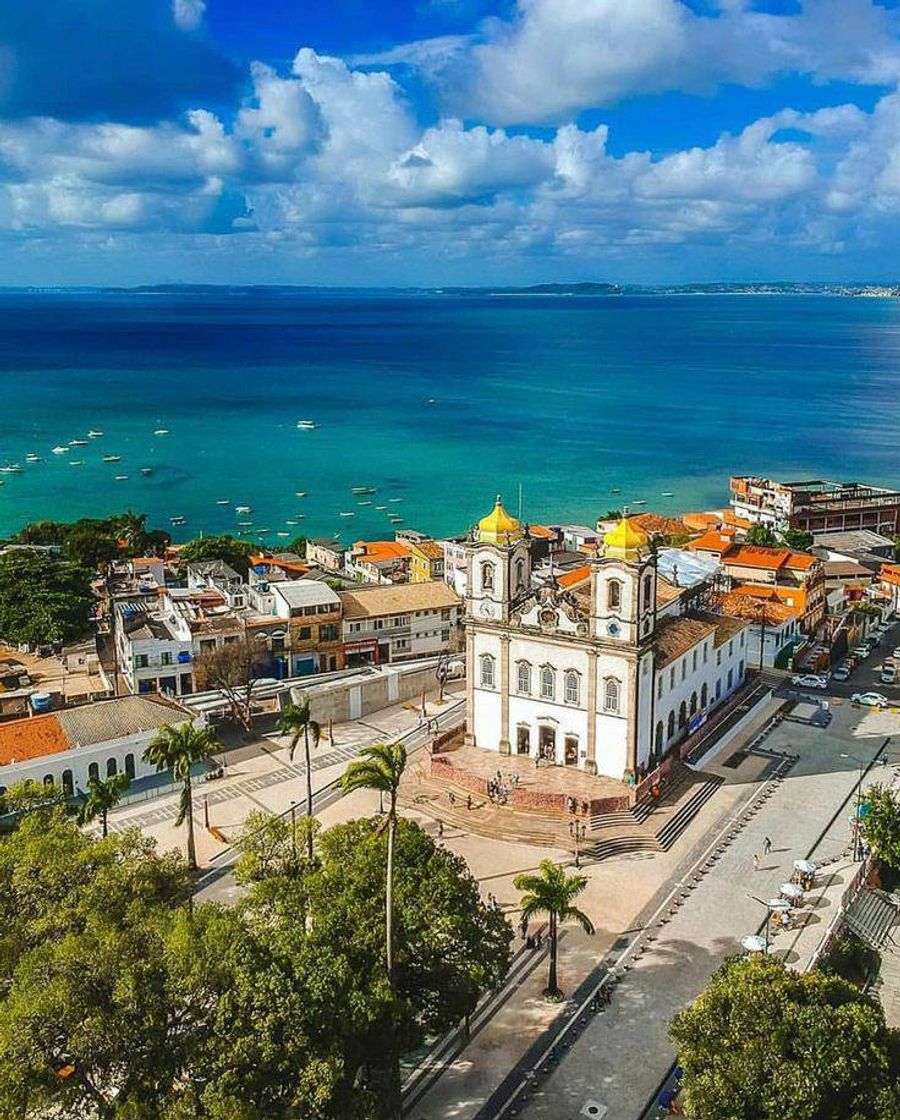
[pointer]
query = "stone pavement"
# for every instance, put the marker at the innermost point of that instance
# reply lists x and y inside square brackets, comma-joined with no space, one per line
[622,1055]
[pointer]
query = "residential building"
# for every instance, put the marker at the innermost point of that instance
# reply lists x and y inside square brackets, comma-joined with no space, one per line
[455,563]
[426,561]
[816,505]
[889,585]
[383,624]
[154,649]
[326,553]
[589,675]
[69,747]
[315,638]
[384,562]
[775,614]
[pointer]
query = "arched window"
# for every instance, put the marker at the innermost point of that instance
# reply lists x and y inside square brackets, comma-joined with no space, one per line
[520,574]
[94,772]
[670,725]
[704,696]
[487,671]
[573,689]
[111,768]
[613,594]
[693,702]
[548,682]
[48,782]
[129,765]
[648,591]
[487,576]
[694,661]
[682,714]
[523,678]
[658,740]
[68,783]
[611,691]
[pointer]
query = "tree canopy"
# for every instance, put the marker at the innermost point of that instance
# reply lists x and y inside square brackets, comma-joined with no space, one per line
[762,1042]
[235,553]
[42,599]
[93,542]
[882,824]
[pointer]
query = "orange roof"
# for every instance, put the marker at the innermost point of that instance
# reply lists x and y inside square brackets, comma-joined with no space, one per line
[738,605]
[702,521]
[575,576]
[756,556]
[145,560]
[731,519]
[380,550]
[32,737]
[656,523]
[890,573]
[542,531]
[712,541]
[801,560]
[792,596]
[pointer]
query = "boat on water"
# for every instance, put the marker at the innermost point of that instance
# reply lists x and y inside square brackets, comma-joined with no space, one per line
[260,532]
[381,507]
[78,443]
[176,520]
[32,458]
[290,522]
[363,503]
[245,524]
[358,490]
[668,494]
[223,501]
[281,534]
[350,514]
[94,433]
[121,478]
[146,470]
[60,450]
[395,500]
[161,431]
[639,502]
[112,458]
[301,493]
[396,520]
[615,491]
[243,509]
[306,425]
[11,468]
[76,462]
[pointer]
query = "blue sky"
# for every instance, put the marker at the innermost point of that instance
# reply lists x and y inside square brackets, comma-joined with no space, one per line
[448,141]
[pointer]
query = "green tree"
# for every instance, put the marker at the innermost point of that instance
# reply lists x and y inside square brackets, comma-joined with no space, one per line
[233,552]
[762,535]
[103,795]
[797,539]
[270,847]
[296,721]
[298,545]
[42,600]
[882,824]
[381,768]
[234,669]
[762,1042]
[551,892]
[178,749]
[92,544]
[42,533]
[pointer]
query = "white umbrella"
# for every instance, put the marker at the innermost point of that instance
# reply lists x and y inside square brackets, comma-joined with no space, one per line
[805,867]
[778,904]
[753,943]
[791,890]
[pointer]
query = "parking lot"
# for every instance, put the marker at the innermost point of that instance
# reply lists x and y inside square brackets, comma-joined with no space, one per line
[866,677]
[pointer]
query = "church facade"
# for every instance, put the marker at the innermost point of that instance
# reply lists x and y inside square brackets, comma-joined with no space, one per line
[605,674]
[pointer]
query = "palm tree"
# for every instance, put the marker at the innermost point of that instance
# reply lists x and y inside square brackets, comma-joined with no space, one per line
[297,722]
[178,749]
[381,767]
[551,892]
[101,797]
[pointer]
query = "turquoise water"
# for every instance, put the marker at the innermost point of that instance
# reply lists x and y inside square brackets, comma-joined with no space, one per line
[440,401]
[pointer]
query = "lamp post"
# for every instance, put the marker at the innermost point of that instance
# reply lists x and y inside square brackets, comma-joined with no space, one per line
[577,830]
[762,902]
[442,672]
[862,769]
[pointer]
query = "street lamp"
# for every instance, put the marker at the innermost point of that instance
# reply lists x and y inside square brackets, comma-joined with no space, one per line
[577,830]
[862,767]
[442,672]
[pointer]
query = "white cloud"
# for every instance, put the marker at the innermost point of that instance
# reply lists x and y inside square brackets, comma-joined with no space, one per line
[188,14]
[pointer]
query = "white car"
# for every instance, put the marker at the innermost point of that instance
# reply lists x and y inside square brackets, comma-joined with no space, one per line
[888,674]
[810,680]
[861,652]
[897,652]
[870,699]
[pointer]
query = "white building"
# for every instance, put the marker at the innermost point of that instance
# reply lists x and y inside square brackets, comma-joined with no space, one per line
[383,624]
[605,675]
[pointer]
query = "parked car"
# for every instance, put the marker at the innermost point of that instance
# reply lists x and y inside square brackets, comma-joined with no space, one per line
[888,674]
[810,680]
[861,652]
[870,699]
[841,673]
[897,652]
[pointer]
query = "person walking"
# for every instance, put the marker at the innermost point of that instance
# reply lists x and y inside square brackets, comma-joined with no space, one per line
[756,861]
[440,830]
[767,846]
[469,801]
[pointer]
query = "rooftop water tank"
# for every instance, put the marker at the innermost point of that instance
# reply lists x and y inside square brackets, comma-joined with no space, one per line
[40,701]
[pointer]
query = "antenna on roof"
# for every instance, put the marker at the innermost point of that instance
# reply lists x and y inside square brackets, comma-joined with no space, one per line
[520,501]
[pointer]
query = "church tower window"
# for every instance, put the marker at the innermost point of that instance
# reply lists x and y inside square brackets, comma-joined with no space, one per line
[487,576]
[548,682]
[523,678]
[520,575]
[611,694]
[487,671]
[614,594]
[573,687]
[648,590]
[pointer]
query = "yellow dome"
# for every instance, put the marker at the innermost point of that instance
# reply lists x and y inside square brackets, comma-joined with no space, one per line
[498,527]
[624,540]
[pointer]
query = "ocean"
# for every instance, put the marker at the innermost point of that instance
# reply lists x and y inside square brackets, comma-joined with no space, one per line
[438,402]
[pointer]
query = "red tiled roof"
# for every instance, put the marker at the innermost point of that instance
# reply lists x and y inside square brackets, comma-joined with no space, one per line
[757,556]
[380,550]
[33,737]
[890,573]
[712,541]
[575,576]
[542,531]
[656,523]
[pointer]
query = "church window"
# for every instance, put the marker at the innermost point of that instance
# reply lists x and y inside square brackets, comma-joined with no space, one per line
[694,661]
[682,714]
[670,725]
[523,678]
[705,652]
[693,702]
[683,668]
[548,682]
[487,671]
[487,576]
[573,690]
[659,686]
[648,590]
[520,575]
[672,677]
[704,696]
[611,694]
[614,594]
[658,739]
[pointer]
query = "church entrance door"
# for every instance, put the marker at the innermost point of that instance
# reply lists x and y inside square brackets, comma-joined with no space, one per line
[571,750]
[523,741]
[547,744]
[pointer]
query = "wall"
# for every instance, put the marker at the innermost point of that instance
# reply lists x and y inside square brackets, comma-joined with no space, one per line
[351,699]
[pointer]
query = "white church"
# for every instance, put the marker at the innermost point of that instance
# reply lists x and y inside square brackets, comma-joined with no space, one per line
[605,674]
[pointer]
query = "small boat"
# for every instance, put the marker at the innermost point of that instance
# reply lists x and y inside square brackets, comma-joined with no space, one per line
[359,490]
[94,433]
[60,450]
[396,520]
[11,468]
[2,482]
[639,502]
[121,478]
[223,501]
[290,522]
[245,524]
[161,432]
[179,520]
[381,507]
[351,514]
[395,500]
[307,425]
[32,458]
[431,400]
[282,534]
[243,509]
[668,494]
[146,470]
[363,503]
[78,443]
[76,462]
[301,493]
[112,458]
[260,532]
[615,491]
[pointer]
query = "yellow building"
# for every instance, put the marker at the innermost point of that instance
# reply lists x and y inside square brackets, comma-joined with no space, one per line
[426,561]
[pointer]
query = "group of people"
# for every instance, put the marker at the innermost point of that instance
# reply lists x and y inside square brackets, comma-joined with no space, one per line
[573,806]
[498,790]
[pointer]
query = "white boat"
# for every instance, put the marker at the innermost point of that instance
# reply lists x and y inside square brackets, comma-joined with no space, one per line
[60,450]
[78,443]
[161,432]
[121,478]
[11,468]
[381,507]
[639,502]
[223,501]
[176,520]
[395,500]
[351,514]
[282,534]
[301,493]
[615,490]
[112,458]
[261,531]
[363,503]
[94,433]
[243,509]
[307,425]
[146,470]
[290,522]
[245,524]
[359,490]
[32,458]
[668,494]
[76,462]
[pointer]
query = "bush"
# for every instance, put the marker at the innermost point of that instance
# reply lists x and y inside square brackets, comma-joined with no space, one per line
[851,959]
